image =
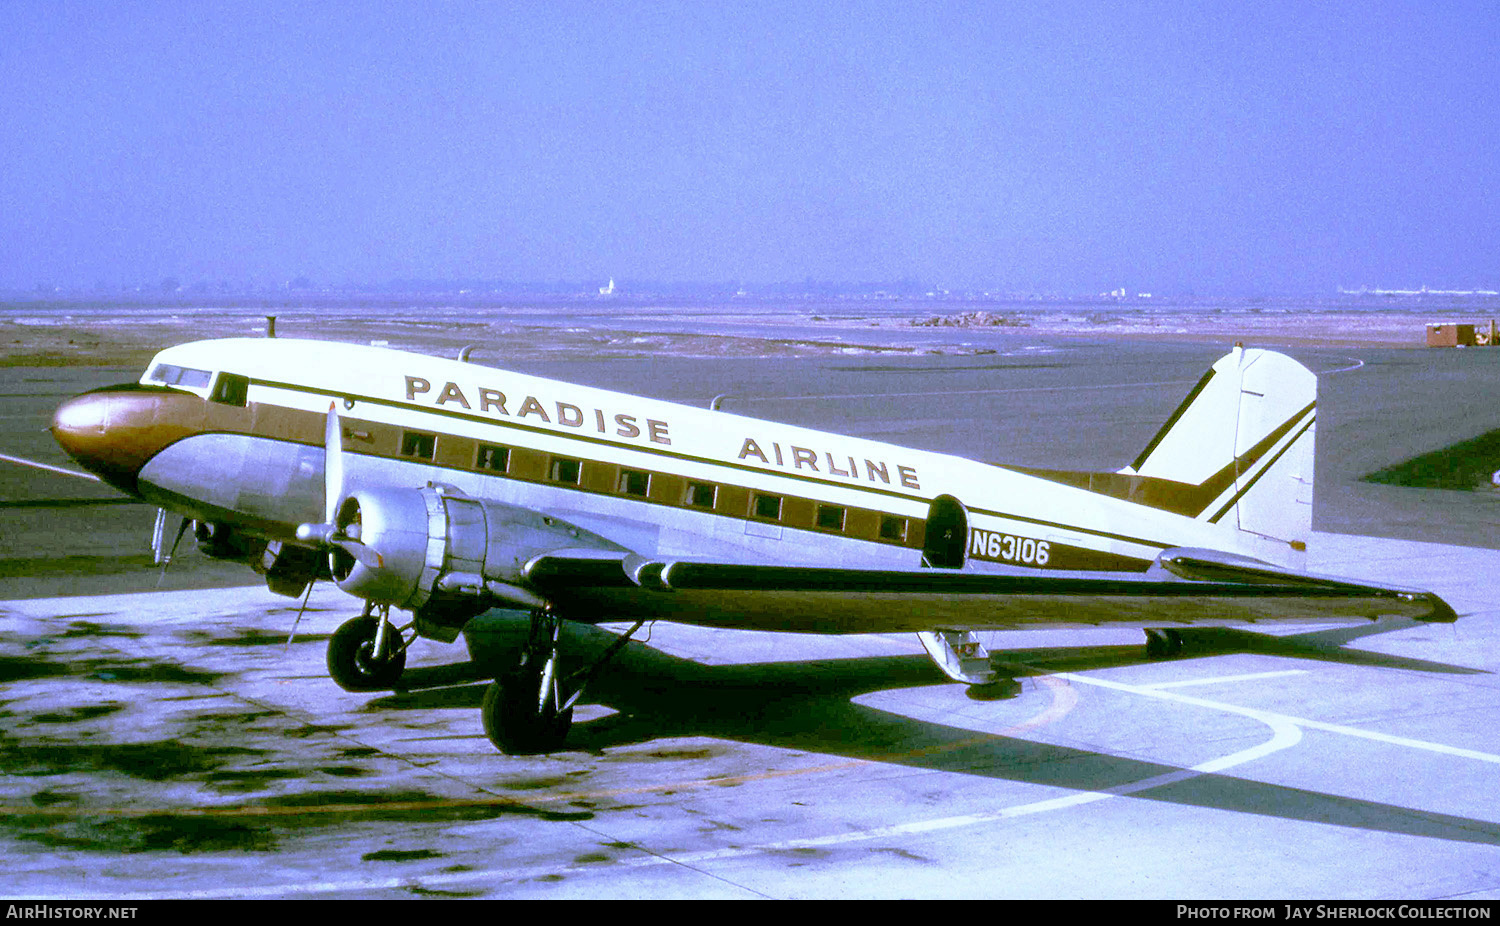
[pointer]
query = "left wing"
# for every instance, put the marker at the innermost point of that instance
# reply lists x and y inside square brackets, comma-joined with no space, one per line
[1183,587]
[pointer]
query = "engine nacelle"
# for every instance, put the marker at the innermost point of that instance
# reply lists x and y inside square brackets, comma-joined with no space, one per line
[437,542]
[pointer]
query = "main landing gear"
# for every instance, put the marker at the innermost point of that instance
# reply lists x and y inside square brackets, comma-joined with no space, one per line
[368,653]
[530,709]
[526,711]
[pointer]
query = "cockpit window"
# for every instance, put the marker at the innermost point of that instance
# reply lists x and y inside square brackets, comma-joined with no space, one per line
[231,389]
[172,375]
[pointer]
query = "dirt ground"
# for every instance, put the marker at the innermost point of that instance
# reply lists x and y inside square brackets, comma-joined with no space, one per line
[88,334]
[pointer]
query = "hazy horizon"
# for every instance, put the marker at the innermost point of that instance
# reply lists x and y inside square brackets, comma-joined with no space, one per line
[1072,148]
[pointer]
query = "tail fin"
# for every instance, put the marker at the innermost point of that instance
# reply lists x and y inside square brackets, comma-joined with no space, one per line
[1244,437]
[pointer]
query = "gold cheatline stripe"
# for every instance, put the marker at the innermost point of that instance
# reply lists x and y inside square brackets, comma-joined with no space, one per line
[1266,469]
[858,487]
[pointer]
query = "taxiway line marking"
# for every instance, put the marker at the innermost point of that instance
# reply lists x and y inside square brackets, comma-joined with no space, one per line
[1287,731]
[1251,677]
[1303,722]
[1284,736]
[1064,699]
[50,468]
[1357,363]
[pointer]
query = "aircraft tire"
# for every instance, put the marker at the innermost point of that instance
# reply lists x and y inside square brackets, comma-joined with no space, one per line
[512,721]
[349,662]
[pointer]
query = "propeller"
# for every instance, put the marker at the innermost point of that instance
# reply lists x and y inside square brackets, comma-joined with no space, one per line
[328,535]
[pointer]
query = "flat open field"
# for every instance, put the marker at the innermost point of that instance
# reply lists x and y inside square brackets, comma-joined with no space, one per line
[128,333]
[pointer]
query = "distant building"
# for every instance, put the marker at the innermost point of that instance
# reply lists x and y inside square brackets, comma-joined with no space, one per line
[1450,334]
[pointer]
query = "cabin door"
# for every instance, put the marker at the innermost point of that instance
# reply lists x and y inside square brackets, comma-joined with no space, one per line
[947,535]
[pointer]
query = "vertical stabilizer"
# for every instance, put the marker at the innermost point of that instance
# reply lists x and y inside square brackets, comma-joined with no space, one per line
[1244,437]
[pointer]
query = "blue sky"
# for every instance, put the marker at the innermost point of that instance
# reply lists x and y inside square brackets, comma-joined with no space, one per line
[1061,147]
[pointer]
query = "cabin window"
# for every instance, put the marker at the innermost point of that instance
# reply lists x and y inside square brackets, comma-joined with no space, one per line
[231,389]
[892,528]
[634,483]
[171,375]
[702,494]
[565,470]
[493,458]
[418,445]
[768,507]
[830,517]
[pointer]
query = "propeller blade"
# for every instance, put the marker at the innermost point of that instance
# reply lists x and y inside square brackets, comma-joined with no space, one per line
[367,556]
[333,464]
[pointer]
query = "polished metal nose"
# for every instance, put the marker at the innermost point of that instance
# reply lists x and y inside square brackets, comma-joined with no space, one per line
[113,432]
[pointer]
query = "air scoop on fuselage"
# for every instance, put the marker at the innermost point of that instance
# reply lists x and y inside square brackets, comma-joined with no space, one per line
[114,431]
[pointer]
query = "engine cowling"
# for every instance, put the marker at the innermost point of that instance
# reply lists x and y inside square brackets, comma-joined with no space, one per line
[438,543]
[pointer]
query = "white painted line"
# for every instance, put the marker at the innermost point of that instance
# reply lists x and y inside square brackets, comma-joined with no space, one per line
[1286,732]
[1357,363]
[1252,677]
[54,469]
[1284,735]
[1303,722]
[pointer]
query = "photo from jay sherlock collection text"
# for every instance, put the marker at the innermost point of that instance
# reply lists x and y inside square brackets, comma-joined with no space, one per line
[1343,911]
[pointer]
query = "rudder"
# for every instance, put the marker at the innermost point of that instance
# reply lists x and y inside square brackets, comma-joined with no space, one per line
[1245,438]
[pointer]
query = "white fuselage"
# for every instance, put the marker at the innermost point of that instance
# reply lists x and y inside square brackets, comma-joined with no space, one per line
[636,470]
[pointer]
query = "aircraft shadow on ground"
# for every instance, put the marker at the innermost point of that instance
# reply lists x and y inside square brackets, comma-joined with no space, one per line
[809,706]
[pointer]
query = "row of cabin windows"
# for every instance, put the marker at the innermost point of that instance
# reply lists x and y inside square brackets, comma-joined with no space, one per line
[637,484]
[233,389]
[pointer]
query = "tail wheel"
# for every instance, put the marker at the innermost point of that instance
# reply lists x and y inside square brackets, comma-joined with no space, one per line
[1163,644]
[352,662]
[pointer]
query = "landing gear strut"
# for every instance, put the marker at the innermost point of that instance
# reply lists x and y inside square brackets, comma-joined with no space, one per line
[523,710]
[367,653]
[530,709]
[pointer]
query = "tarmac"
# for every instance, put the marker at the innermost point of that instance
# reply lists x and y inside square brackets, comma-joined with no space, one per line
[171,743]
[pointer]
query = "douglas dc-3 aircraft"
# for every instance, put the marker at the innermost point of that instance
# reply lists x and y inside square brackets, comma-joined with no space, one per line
[445,488]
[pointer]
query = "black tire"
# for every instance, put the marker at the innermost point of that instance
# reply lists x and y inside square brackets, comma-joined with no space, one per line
[512,721]
[350,661]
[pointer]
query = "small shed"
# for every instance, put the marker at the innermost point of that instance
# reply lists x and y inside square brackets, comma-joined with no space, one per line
[1450,334]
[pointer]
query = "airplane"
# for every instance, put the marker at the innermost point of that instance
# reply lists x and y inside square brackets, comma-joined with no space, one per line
[444,488]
